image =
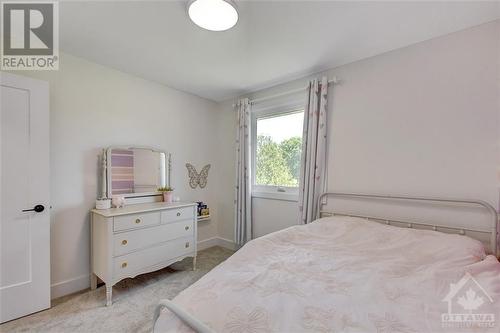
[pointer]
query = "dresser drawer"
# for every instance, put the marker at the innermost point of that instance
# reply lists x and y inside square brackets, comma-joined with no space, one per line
[134,263]
[173,215]
[135,221]
[129,241]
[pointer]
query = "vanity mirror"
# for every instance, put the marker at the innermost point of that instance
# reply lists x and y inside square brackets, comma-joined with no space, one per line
[135,171]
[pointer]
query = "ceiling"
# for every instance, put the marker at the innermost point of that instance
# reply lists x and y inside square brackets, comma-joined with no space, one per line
[273,42]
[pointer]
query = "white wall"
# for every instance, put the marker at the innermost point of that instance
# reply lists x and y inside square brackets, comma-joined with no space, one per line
[271,215]
[92,107]
[422,120]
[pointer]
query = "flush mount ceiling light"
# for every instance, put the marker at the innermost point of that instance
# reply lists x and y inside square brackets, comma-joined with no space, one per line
[214,15]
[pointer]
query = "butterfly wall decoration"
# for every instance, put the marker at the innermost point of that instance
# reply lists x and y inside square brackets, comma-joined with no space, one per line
[196,178]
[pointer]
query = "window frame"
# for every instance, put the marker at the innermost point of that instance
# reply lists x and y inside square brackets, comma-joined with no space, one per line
[287,193]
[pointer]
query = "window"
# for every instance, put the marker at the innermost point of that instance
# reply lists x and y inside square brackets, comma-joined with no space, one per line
[277,147]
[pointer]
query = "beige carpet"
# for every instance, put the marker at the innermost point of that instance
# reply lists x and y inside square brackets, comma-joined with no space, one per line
[134,301]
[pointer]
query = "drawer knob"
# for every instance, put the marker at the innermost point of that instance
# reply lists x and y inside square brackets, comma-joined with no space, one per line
[179,214]
[187,244]
[124,242]
[124,265]
[137,220]
[186,227]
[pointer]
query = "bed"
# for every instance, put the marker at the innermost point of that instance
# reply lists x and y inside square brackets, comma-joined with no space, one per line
[345,273]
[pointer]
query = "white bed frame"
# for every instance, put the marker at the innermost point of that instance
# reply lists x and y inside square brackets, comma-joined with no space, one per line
[200,327]
[469,231]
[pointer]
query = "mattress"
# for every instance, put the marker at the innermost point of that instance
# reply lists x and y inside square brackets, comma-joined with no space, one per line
[344,274]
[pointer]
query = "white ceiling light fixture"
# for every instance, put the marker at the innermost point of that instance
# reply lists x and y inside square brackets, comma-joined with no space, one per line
[214,15]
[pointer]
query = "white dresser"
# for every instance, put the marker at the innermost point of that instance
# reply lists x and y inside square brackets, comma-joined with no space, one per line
[140,238]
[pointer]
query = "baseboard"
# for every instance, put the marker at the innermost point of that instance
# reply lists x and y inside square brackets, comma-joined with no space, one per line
[82,282]
[70,286]
[207,243]
[226,243]
[216,241]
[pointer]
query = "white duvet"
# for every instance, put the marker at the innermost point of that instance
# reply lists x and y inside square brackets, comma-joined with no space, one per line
[343,274]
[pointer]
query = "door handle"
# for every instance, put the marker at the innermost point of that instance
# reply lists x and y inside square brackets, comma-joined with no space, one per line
[37,209]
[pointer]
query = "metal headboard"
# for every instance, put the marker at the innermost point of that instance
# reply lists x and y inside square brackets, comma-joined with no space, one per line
[410,224]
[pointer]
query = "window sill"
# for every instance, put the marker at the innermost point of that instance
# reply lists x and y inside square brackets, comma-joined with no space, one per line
[294,197]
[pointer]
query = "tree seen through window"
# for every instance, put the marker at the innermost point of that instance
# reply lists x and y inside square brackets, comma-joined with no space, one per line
[278,150]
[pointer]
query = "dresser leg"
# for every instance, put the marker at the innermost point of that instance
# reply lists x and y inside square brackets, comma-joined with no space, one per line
[93,281]
[194,263]
[109,295]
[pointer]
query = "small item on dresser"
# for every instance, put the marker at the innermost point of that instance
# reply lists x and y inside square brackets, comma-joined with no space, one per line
[205,211]
[118,201]
[103,203]
[168,193]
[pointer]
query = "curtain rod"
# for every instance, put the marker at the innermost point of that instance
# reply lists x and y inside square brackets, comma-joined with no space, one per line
[334,80]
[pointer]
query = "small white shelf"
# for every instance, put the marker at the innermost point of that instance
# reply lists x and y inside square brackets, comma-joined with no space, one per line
[203,218]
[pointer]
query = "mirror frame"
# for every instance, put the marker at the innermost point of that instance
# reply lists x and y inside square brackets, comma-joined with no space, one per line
[106,166]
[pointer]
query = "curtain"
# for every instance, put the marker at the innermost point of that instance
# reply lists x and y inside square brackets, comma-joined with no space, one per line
[243,218]
[313,160]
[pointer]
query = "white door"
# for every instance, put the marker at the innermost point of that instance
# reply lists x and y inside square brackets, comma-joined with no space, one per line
[24,233]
